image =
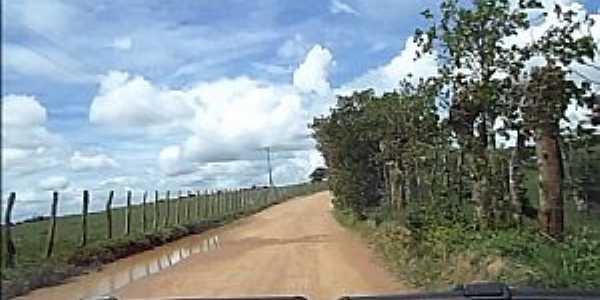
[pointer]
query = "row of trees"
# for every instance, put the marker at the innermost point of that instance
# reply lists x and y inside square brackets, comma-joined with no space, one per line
[437,142]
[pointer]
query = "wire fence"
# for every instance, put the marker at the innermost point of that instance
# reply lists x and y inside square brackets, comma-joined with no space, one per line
[28,243]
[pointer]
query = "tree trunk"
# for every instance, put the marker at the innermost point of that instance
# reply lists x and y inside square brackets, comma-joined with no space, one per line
[433,182]
[588,180]
[459,169]
[516,184]
[387,183]
[395,178]
[480,195]
[551,212]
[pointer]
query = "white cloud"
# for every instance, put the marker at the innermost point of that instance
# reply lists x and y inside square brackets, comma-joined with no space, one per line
[122,43]
[235,119]
[337,7]
[222,120]
[27,145]
[22,111]
[387,77]
[81,162]
[311,75]
[13,156]
[293,48]
[172,163]
[126,100]
[54,183]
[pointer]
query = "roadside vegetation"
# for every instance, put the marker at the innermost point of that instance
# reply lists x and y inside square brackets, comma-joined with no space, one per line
[473,174]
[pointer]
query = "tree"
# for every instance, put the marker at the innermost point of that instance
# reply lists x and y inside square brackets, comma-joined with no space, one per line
[346,140]
[472,53]
[549,92]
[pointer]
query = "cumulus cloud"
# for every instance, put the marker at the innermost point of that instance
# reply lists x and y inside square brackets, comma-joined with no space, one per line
[27,145]
[387,77]
[22,111]
[222,120]
[54,183]
[237,118]
[126,100]
[171,161]
[311,75]
[338,7]
[81,162]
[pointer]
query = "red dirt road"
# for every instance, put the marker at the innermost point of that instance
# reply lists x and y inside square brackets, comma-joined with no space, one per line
[295,248]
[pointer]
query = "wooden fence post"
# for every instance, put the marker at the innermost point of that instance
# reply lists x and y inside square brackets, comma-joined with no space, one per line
[220,204]
[242,198]
[233,201]
[52,228]
[11,252]
[198,200]
[109,226]
[168,208]
[144,220]
[226,202]
[207,204]
[156,210]
[187,206]
[211,204]
[215,204]
[245,194]
[128,214]
[84,213]
[234,197]
[206,209]
[177,207]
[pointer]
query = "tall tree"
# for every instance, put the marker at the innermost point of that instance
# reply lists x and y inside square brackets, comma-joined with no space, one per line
[470,43]
[550,90]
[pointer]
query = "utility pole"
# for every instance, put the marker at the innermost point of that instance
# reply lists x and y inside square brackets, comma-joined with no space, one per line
[269,166]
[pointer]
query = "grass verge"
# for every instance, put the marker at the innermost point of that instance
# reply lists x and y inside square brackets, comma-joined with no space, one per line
[439,256]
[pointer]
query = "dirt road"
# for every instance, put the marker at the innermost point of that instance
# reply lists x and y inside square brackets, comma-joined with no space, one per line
[295,248]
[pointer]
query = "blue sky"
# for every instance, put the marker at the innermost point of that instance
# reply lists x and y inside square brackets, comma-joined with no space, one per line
[184,94]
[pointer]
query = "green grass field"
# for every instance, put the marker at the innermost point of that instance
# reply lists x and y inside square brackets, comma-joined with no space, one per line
[30,238]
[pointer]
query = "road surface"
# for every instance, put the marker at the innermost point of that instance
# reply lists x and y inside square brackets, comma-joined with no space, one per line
[295,248]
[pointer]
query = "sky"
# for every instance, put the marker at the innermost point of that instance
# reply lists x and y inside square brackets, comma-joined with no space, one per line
[186,95]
